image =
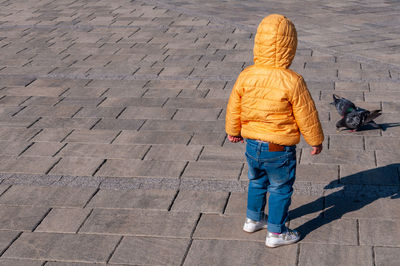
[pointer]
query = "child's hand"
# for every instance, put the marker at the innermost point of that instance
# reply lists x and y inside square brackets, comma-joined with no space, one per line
[316,149]
[235,139]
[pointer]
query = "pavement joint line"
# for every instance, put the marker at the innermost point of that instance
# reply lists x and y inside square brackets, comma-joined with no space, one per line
[226,202]
[173,200]
[10,244]
[297,260]
[113,251]
[91,197]
[41,220]
[84,221]
[191,239]
[51,167]
[26,148]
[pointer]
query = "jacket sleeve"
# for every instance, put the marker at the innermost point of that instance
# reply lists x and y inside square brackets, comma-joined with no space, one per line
[306,114]
[232,120]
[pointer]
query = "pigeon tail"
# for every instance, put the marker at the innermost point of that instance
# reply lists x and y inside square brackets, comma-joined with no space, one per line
[372,115]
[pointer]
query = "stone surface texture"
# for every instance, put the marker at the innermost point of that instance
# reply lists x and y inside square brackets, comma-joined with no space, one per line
[112,142]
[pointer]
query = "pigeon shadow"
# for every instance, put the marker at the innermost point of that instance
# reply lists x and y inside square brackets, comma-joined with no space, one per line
[350,194]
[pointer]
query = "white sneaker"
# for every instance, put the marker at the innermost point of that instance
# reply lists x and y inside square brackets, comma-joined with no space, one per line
[250,226]
[285,238]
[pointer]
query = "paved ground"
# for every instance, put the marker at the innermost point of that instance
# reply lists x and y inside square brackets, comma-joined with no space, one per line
[112,144]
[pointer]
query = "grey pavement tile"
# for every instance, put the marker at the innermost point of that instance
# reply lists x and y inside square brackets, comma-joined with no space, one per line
[6,238]
[161,93]
[119,124]
[231,252]
[13,100]
[374,96]
[47,196]
[370,175]
[17,134]
[43,149]
[174,152]
[387,157]
[62,247]
[85,92]
[193,93]
[198,114]
[92,136]
[105,151]
[81,101]
[49,111]
[200,201]
[150,251]
[390,107]
[63,220]
[122,92]
[60,263]
[21,218]
[191,126]
[208,138]
[196,103]
[361,208]
[379,232]
[354,157]
[213,170]
[28,165]
[225,153]
[140,223]
[337,142]
[317,254]
[152,137]
[158,113]
[13,121]
[125,101]
[133,199]
[317,173]
[386,256]
[390,144]
[100,112]
[41,100]
[138,168]
[77,166]
[33,91]
[217,226]
[384,86]
[52,134]
[326,230]
[20,262]
[79,123]
[12,148]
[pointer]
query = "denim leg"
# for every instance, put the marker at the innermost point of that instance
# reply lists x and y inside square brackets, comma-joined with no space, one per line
[280,191]
[256,198]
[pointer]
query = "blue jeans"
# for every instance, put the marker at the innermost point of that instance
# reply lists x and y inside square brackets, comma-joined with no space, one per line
[273,172]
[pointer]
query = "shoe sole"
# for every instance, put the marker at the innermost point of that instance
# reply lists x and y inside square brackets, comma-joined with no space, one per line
[252,231]
[282,244]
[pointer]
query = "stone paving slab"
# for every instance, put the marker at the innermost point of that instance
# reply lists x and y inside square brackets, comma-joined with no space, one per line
[313,254]
[116,109]
[67,247]
[140,223]
[150,251]
[46,196]
[231,252]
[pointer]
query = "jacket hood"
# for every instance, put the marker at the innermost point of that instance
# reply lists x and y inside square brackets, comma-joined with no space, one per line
[275,42]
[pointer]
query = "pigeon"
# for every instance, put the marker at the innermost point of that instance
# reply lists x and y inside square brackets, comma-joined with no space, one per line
[343,106]
[357,118]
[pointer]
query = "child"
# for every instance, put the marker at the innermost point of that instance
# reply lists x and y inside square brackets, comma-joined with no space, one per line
[269,106]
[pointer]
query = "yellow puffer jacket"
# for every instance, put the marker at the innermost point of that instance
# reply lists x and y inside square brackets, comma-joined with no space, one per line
[270,102]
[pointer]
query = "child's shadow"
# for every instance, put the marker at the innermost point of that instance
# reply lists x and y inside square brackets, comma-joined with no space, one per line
[381,182]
